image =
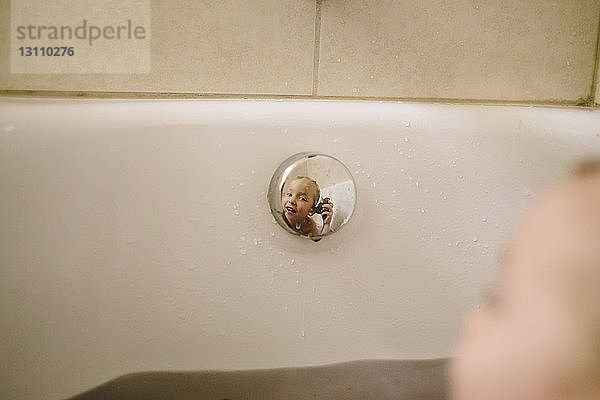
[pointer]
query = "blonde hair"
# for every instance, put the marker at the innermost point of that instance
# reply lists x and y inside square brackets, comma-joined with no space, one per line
[587,168]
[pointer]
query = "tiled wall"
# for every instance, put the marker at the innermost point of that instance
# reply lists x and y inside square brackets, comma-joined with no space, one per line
[536,51]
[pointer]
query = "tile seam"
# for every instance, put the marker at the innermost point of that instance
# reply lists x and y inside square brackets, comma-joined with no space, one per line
[594,100]
[317,48]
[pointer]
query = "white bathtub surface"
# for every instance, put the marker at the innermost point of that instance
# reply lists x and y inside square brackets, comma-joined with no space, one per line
[135,235]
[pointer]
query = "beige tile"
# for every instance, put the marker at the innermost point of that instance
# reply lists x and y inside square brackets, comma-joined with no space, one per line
[4,42]
[466,49]
[262,47]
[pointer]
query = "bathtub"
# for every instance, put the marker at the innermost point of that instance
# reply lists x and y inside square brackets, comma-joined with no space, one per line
[136,234]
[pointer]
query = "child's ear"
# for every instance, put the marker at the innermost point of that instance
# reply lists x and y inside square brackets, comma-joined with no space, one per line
[312,211]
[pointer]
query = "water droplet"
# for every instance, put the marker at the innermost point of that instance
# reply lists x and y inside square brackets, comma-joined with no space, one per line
[484,219]
[303,333]
[243,252]
[272,234]
[354,90]
[292,261]
[256,242]
[406,139]
[475,239]
[407,124]
[252,172]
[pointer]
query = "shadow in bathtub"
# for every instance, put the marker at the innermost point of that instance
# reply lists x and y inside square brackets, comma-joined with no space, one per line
[366,379]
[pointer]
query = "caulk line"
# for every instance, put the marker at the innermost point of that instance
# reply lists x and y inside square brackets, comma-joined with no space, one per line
[98,95]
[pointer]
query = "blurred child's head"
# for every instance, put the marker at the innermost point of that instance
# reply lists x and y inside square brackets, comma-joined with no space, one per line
[299,199]
[539,337]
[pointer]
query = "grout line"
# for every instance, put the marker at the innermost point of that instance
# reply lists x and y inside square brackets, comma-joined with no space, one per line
[593,98]
[317,48]
[223,96]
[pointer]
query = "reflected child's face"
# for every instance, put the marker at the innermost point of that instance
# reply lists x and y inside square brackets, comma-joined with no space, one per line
[298,201]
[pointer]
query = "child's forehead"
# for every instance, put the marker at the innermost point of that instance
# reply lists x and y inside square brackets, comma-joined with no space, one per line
[302,183]
[559,237]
